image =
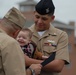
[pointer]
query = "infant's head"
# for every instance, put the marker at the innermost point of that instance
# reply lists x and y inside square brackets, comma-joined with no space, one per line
[24,37]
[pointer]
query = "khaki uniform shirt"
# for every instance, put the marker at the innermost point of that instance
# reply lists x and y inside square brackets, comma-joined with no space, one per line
[56,37]
[11,56]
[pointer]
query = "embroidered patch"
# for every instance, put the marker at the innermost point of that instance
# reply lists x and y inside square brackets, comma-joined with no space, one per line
[51,43]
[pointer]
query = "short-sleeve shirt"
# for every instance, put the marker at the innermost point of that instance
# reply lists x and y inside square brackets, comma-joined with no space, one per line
[12,60]
[51,36]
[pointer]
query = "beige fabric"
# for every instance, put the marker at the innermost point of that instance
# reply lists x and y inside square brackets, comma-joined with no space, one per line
[15,16]
[12,60]
[57,37]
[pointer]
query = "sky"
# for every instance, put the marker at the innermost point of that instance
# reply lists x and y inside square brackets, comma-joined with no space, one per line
[65,10]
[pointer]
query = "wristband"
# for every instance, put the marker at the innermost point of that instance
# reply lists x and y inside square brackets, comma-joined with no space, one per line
[32,71]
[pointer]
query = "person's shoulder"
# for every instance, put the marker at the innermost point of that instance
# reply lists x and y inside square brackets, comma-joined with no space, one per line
[56,31]
[7,40]
[32,27]
[59,31]
[6,37]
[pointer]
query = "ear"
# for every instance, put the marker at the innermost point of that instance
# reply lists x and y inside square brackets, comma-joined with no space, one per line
[53,17]
[34,12]
[16,33]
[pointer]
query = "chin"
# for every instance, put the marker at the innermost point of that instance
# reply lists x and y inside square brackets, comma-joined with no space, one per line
[41,29]
[21,44]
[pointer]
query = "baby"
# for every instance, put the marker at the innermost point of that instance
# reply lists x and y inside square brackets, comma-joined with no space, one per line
[29,47]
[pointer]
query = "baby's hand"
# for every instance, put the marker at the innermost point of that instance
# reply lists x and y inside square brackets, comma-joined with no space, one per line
[44,57]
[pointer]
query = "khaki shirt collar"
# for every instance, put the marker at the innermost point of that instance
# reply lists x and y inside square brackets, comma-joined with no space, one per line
[1,30]
[51,31]
[34,30]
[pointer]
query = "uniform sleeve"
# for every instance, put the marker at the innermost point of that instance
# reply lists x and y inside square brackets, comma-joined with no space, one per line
[62,48]
[13,59]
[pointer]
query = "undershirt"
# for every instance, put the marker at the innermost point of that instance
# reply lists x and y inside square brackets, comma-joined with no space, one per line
[41,33]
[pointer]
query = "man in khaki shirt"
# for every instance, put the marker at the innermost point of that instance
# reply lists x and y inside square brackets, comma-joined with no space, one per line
[12,60]
[48,38]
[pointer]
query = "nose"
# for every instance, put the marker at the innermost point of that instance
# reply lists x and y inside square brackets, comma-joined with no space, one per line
[21,38]
[39,21]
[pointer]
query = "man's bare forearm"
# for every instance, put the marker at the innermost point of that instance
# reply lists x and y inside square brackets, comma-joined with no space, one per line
[29,61]
[55,65]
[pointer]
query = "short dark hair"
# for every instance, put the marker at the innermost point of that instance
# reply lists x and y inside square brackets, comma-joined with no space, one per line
[28,30]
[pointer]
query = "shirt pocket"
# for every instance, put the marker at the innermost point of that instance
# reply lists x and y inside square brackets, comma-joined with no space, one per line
[48,50]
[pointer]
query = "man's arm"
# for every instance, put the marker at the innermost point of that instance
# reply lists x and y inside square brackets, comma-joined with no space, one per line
[55,65]
[29,61]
